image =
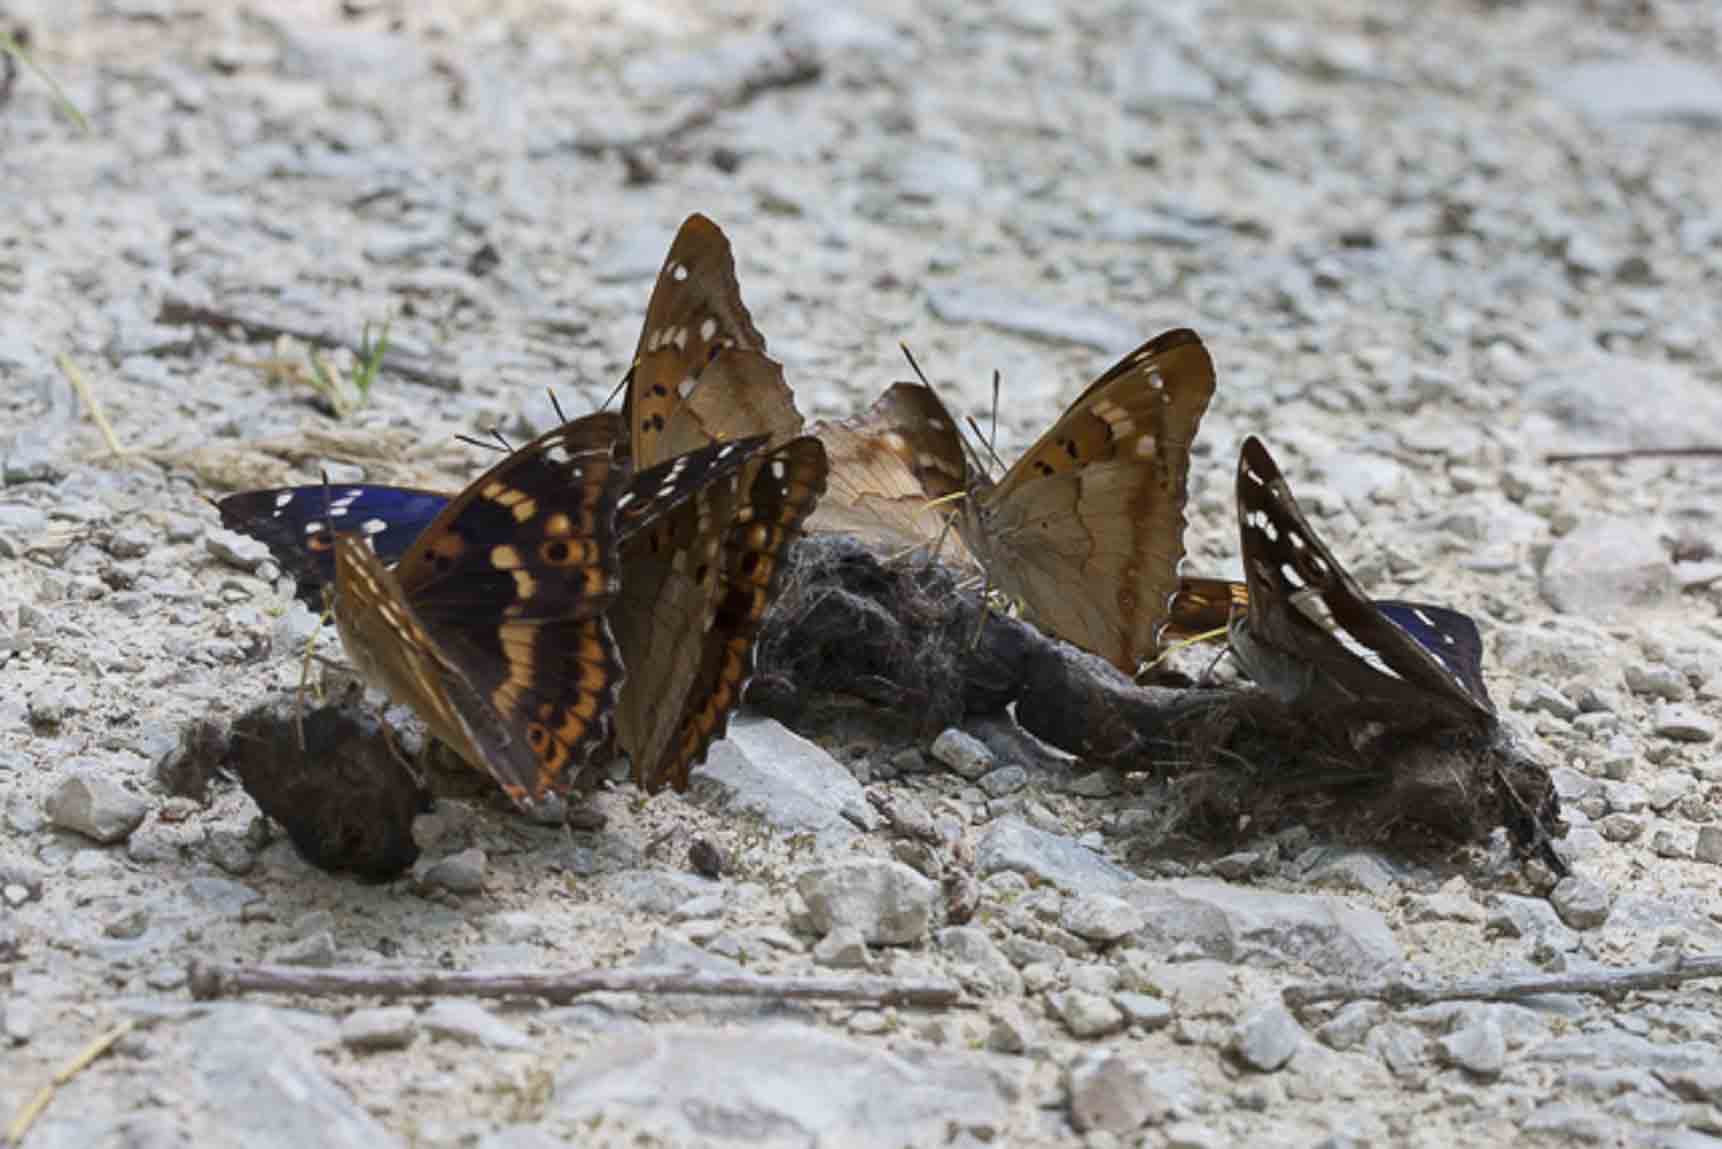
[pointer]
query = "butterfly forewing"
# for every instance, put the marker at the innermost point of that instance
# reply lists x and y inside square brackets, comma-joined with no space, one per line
[294,523]
[700,371]
[1087,528]
[1309,613]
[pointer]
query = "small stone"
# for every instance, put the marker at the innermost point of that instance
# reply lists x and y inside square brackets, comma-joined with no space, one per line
[963,753]
[887,902]
[1682,723]
[316,949]
[843,948]
[1351,1025]
[1443,907]
[695,909]
[1480,1049]
[708,859]
[391,1027]
[461,873]
[1266,1039]
[471,1024]
[1143,1010]
[1669,788]
[1709,845]
[1109,1092]
[97,807]
[1654,680]
[1581,903]
[1193,1135]
[1236,867]
[1101,918]
[1004,780]
[1087,1015]
[1008,1030]
[234,549]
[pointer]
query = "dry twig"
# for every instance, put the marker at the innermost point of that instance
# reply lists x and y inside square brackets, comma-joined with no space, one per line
[183,312]
[209,982]
[20,1127]
[1515,987]
[76,377]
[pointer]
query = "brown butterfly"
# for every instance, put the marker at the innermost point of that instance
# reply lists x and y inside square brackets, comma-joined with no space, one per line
[1086,530]
[696,585]
[492,625]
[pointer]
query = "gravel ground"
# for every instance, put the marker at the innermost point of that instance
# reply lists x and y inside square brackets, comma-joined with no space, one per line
[1426,244]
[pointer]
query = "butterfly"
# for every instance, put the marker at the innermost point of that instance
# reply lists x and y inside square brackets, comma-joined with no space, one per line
[492,626]
[1311,637]
[1086,530]
[697,583]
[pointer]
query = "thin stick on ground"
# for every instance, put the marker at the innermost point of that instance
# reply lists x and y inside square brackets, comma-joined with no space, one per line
[76,377]
[1632,453]
[209,982]
[184,313]
[1513,987]
[27,1116]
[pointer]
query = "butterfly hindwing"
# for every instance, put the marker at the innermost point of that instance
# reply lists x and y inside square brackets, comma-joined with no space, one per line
[294,522]
[779,491]
[888,465]
[1310,619]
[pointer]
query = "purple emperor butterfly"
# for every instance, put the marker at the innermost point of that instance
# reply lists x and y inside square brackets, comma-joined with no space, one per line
[492,627]
[1312,637]
[1086,530]
[697,583]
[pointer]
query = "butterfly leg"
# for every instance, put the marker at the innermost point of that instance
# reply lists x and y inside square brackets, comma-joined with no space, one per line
[305,671]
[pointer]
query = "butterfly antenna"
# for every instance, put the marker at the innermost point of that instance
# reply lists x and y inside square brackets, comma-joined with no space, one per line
[556,405]
[626,379]
[481,444]
[992,440]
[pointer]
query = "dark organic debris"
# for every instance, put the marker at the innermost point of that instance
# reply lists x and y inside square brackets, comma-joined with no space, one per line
[346,800]
[903,634]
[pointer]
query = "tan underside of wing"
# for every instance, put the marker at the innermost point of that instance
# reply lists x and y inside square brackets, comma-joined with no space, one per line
[887,466]
[1092,556]
[1087,528]
[738,394]
[389,648]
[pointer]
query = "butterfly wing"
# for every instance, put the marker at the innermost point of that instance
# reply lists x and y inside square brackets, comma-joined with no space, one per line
[510,584]
[700,371]
[1316,622]
[290,521]
[694,591]
[886,465]
[1087,528]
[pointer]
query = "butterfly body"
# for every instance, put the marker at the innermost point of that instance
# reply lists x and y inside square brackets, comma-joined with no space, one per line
[1311,636]
[1086,530]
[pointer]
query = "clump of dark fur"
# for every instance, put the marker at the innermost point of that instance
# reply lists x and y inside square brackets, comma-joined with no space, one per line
[904,635]
[346,799]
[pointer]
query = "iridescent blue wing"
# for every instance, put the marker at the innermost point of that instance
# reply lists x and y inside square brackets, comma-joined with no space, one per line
[291,522]
[1451,636]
